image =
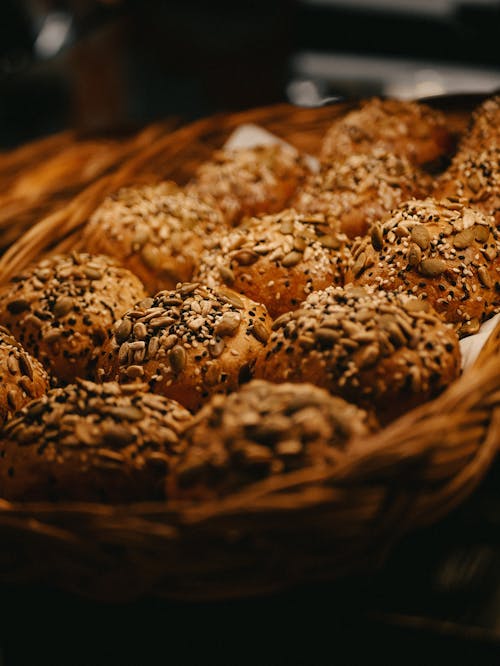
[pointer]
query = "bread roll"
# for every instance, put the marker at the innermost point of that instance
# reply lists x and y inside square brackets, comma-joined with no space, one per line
[22,377]
[484,128]
[441,251]
[62,308]
[375,349]
[407,129]
[187,343]
[362,189]
[277,259]
[262,430]
[156,231]
[474,178]
[250,181]
[91,443]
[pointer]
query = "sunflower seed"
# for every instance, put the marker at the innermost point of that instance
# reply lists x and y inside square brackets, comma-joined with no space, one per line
[484,277]
[260,332]
[414,255]
[63,306]
[177,358]
[291,259]
[377,237]
[421,236]
[432,267]
[245,257]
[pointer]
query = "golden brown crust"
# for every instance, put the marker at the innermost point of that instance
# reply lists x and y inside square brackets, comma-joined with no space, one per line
[22,377]
[188,343]
[89,442]
[250,181]
[261,430]
[156,231]
[362,189]
[404,128]
[278,259]
[474,178]
[372,348]
[441,251]
[62,309]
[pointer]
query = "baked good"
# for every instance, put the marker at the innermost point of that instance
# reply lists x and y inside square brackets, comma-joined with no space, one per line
[277,259]
[405,128]
[250,181]
[187,343]
[22,377]
[91,443]
[262,430]
[156,231]
[362,189]
[484,127]
[442,251]
[474,178]
[62,308]
[373,348]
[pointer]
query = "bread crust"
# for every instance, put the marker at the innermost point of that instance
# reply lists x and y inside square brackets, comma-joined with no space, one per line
[442,251]
[362,189]
[62,309]
[262,430]
[187,343]
[405,128]
[277,259]
[156,231]
[91,443]
[250,181]
[375,349]
[22,377]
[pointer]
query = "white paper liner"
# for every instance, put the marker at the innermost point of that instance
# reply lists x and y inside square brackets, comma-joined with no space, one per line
[250,136]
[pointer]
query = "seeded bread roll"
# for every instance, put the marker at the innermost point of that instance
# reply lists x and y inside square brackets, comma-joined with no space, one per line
[62,309]
[439,250]
[188,343]
[404,128]
[364,188]
[373,348]
[21,376]
[262,430]
[250,181]
[277,259]
[474,178]
[91,443]
[484,128]
[156,231]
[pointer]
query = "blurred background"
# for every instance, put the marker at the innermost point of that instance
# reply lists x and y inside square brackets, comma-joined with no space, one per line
[101,64]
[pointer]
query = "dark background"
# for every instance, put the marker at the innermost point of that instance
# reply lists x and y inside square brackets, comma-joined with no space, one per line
[122,64]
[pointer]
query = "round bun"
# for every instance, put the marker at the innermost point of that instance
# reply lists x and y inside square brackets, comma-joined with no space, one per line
[156,231]
[484,128]
[91,443]
[250,181]
[404,128]
[62,309]
[364,188]
[474,178]
[262,430]
[188,343]
[441,251]
[277,260]
[372,348]
[22,377]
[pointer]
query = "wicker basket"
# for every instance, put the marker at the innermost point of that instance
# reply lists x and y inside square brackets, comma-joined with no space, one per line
[305,526]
